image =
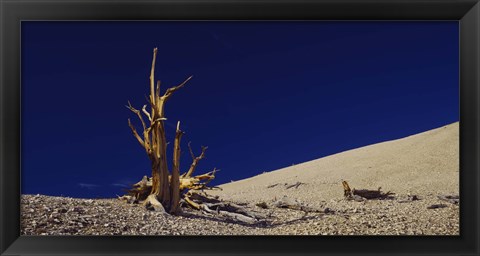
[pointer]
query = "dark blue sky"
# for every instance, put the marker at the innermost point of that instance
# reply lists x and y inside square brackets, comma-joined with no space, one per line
[264,95]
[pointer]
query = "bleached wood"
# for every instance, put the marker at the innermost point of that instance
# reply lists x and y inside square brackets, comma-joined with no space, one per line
[152,78]
[175,177]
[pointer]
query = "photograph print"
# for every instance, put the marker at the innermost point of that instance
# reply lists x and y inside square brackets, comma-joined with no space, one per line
[319,128]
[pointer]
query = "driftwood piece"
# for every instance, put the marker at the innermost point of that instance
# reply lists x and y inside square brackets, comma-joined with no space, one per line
[287,186]
[453,199]
[227,206]
[294,185]
[436,206]
[372,194]
[293,204]
[237,217]
[228,210]
[273,185]
[364,194]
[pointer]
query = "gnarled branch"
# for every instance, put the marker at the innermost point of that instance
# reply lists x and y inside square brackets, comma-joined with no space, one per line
[137,112]
[171,90]
[195,161]
[135,133]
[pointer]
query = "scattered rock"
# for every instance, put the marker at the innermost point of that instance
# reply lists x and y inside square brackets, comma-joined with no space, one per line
[114,217]
[78,209]
[328,210]
[409,198]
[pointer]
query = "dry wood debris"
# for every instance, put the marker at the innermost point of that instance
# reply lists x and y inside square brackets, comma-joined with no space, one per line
[228,210]
[436,206]
[294,185]
[364,194]
[286,202]
[453,199]
[287,186]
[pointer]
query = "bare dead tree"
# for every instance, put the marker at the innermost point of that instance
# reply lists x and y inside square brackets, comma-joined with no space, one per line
[165,191]
[164,188]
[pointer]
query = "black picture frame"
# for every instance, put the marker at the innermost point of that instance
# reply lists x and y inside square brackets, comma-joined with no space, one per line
[12,12]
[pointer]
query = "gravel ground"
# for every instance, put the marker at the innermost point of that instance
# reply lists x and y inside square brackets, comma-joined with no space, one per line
[46,215]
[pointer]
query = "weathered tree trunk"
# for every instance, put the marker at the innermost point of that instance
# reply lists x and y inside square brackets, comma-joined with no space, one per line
[162,154]
[175,180]
[154,140]
[162,192]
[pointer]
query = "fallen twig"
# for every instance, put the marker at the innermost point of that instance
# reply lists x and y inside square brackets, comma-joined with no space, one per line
[451,199]
[273,185]
[294,185]
[435,206]
[288,203]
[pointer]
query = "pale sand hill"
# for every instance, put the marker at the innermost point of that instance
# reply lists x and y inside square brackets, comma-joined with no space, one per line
[422,164]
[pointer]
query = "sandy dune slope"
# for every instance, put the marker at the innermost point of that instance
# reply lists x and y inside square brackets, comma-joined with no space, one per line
[422,164]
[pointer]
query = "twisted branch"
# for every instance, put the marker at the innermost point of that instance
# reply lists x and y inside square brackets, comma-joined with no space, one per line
[135,133]
[195,161]
[171,90]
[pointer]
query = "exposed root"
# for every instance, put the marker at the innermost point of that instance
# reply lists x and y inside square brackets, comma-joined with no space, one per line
[152,203]
[141,190]
[128,199]
[230,211]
